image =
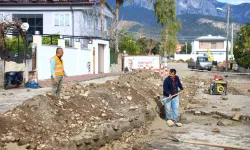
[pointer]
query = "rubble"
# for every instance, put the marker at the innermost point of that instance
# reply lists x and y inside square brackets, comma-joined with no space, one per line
[236,117]
[87,116]
[216,130]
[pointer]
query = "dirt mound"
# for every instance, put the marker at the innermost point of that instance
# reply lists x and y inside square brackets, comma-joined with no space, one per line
[87,117]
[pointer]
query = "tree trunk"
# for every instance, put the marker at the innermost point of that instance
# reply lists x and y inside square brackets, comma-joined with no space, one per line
[166,40]
[116,23]
[102,17]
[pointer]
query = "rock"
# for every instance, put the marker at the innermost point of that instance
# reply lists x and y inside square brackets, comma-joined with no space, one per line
[198,113]
[129,98]
[23,141]
[214,106]
[224,98]
[206,113]
[118,96]
[248,90]
[236,117]
[170,123]
[133,108]
[93,106]
[66,97]
[9,139]
[104,115]
[216,130]
[78,86]
[235,109]
[223,123]
[216,116]
[86,94]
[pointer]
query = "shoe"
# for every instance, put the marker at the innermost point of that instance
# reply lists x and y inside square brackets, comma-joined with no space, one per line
[170,123]
[178,124]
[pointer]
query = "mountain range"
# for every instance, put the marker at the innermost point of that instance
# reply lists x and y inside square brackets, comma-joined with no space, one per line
[198,17]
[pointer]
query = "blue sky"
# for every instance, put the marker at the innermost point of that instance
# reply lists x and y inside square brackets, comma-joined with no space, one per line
[235,1]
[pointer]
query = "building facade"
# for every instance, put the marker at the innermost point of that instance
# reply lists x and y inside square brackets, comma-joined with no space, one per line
[215,44]
[64,17]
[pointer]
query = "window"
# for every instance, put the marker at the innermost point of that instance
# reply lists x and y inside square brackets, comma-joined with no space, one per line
[105,24]
[213,45]
[61,20]
[67,20]
[56,20]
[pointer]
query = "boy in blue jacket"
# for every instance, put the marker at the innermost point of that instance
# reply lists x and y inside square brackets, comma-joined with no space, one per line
[170,88]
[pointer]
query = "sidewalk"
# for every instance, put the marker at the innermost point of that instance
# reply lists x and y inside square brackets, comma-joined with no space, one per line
[47,83]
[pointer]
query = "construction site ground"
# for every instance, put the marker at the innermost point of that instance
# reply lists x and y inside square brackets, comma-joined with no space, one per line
[122,113]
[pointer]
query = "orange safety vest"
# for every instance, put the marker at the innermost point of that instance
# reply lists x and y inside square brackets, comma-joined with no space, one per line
[59,69]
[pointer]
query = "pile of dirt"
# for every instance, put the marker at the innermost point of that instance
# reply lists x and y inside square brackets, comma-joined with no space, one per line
[87,116]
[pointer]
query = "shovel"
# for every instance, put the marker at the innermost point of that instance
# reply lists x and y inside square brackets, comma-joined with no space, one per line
[163,101]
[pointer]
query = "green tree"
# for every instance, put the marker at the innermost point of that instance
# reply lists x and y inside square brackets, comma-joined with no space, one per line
[13,46]
[128,43]
[166,18]
[242,47]
[189,48]
[52,40]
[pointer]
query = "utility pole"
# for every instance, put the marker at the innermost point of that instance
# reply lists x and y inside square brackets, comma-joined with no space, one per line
[186,47]
[228,15]
[232,41]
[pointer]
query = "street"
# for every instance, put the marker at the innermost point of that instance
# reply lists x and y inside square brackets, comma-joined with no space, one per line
[205,117]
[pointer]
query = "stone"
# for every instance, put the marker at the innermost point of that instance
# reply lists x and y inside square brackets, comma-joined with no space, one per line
[235,109]
[93,106]
[66,97]
[236,117]
[129,98]
[104,115]
[224,98]
[248,90]
[223,123]
[216,117]
[86,94]
[206,113]
[214,106]
[198,113]
[216,130]
[170,123]
[23,141]
[133,107]
[78,86]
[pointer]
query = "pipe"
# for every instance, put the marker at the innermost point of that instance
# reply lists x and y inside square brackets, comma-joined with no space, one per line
[73,24]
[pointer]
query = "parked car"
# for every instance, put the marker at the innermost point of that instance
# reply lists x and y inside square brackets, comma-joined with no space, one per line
[201,63]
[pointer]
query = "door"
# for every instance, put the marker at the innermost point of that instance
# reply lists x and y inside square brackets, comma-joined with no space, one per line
[100,58]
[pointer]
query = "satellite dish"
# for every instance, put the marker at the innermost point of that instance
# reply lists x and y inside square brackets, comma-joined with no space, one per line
[25,26]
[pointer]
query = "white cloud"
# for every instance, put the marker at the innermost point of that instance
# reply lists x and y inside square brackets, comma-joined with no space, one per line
[235,1]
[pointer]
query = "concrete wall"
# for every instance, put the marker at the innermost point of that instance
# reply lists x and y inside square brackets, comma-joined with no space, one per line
[1,73]
[75,61]
[185,57]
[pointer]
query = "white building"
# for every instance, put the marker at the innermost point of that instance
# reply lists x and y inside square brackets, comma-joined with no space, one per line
[216,44]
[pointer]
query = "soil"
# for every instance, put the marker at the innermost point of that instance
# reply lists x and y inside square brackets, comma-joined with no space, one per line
[126,114]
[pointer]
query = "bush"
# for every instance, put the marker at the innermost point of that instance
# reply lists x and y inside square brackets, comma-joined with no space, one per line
[242,47]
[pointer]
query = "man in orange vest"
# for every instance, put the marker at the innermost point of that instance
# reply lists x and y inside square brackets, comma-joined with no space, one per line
[57,72]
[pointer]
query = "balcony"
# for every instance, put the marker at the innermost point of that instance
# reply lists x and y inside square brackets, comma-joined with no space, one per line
[46,1]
